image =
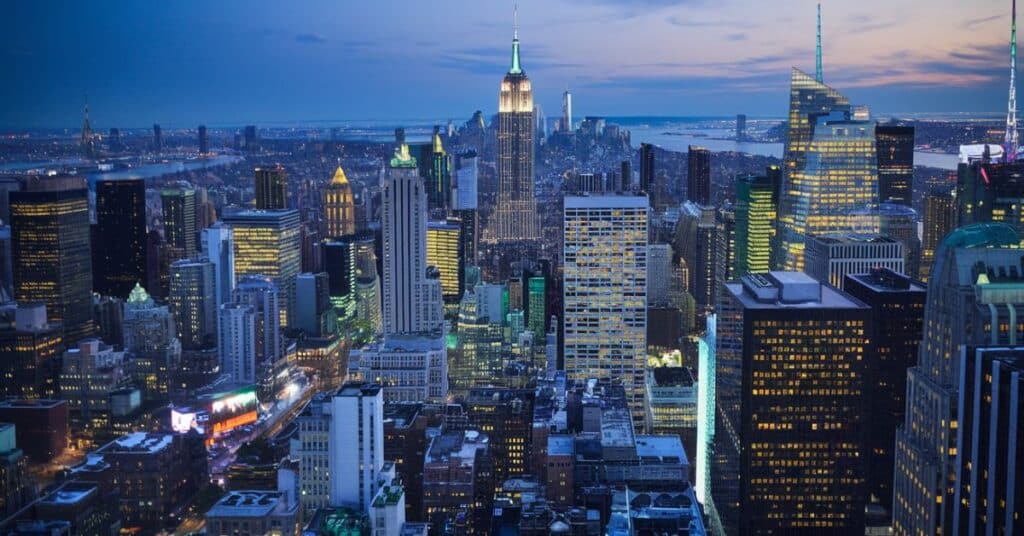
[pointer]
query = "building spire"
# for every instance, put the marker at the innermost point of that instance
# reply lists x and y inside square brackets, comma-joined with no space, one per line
[516,68]
[817,57]
[1011,114]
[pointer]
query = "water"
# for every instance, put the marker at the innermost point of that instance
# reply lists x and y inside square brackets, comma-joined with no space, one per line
[149,171]
[677,134]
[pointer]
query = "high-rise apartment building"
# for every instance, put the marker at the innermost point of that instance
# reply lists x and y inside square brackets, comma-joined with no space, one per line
[236,342]
[192,298]
[974,291]
[939,220]
[119,246]
[791,389]
[264,297]
[268,243]
[895,148]
[219,248]
[696,245]
[515,215]
[647,168]
[698,175]
[51,255]
[271,188]
[605,291]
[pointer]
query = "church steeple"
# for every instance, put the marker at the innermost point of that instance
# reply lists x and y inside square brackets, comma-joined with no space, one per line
[516,67]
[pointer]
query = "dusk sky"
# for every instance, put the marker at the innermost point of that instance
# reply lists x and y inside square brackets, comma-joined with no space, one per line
[182,63]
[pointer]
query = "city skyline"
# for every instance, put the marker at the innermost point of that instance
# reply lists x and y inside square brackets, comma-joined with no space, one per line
[212,66]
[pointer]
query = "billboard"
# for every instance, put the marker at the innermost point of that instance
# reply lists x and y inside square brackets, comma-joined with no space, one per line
[184,420]
[232,409]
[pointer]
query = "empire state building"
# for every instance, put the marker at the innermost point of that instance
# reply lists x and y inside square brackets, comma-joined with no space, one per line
[515,217]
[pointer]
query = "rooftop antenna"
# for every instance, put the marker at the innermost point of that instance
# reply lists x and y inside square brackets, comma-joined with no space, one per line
[1010,141]
[818,74]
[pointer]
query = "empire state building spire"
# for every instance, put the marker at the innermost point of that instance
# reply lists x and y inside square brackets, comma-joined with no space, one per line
[1010,143]
[516,67]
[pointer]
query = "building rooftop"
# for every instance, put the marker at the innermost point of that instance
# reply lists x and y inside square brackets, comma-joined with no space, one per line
[663,448]
[560,445]
[70,494]
[41,403]
[358,389]
[138,443]
[786,290]
[461,445]
[887,280]
[407,343]
[246,504]
[672,376]
[853,238]
[605,200]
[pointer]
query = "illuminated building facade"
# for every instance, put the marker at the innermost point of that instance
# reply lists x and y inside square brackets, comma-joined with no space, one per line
[435,169]
[897,317]
[339,207]
[179,220]
[193,302]
[790,431]
[268,243]
[698,175]
[506,416]
[895,146]
[236,342]
[672,404]
[605,291]
[151,339]
[444,253]
[410,368]
[412,300]
[219,248]
[536,306]
[476,358]
[990,191]
[696,245]
[989,497]
[271,188]
[51,256]
[938,221]
[647,168]
[515,215]
[119,259]
[811,200]
[757,203]
[31,347]
[829,258]
[263,296]
[975,288]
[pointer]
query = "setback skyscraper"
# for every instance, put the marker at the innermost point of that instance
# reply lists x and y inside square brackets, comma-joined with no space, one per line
[339,207]
[515,216]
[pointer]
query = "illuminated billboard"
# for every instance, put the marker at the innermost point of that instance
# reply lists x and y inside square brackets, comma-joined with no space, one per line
[184,420]
[232,409]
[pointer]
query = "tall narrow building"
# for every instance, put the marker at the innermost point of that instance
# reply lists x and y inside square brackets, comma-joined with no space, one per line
[566,125]
[339,207]
[51,254]
[204,140]
[605,291]
[895,147]
[179,220]
[435,168]
[698,175]
[974,292]
[119,252]
[411,301]
[271,188]
[267,243]
[515,216]
[939,220]
[647,168]
[757,203]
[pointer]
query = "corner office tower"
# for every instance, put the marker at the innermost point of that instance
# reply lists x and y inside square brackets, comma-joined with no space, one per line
[515,216]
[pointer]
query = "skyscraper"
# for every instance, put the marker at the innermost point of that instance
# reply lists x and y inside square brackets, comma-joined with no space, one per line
[809,202]
[443,252]
[120,239]
[313,304]
[695,244]
[790,432]
[741,127]
[435,169]
[515,216]
[267,243]
[271,188]
[179,219]
[51,251]
[236,342]
[265,300]
[897,317]
[895,147]
[605,291]
[989,190]
[204,141]
[86,140]
[757,202]
[466,205]
[829,258]
[219,248]
[566,125]
[974,291]
[339,207]
[158,139]
[647,168]
[150,338]
[193,302]
[409,303]
[939,219]
[536,306]
[698,175]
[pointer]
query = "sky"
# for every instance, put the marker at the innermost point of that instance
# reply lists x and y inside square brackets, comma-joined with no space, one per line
[185,62]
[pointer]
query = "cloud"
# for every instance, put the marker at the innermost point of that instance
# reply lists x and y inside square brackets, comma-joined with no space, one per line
[676,20]
[737,37]
[971,23]
[310,38]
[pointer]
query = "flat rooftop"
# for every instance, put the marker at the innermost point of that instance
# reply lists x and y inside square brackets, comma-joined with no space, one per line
[359,389]
[138,443]
[560,445]
[789,290]
[625,200]
[246,504]
[70,494]
[665,448]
